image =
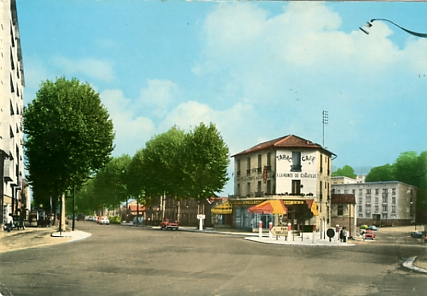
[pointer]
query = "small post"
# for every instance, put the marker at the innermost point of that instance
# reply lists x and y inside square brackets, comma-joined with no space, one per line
[260,228]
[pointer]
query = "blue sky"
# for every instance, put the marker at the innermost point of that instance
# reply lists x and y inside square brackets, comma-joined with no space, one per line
[258,70]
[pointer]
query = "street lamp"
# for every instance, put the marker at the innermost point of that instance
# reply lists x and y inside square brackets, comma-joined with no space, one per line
[369,24]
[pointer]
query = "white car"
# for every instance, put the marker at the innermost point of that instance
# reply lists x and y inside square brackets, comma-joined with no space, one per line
[104,220]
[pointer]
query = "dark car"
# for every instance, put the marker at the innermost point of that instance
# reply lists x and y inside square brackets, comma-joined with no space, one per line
[372,227]
[416,234]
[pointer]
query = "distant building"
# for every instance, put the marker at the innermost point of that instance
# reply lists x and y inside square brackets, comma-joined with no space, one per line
[343,212]
[291,169]
[389,203]
[11,108]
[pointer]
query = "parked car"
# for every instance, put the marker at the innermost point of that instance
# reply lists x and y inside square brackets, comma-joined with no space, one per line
[417,234]
[169,224]
[372,227]
[98,219]
[369,234]
[104,220]
[425,238]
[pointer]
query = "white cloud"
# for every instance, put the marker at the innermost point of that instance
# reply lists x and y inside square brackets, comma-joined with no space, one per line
[132,131]
[158,94]
[93,68]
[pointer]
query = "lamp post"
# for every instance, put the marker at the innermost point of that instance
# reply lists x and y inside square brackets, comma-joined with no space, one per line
[369,24]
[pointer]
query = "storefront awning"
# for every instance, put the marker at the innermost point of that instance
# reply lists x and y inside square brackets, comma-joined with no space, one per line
[312,205]
[223,209]
[274,206]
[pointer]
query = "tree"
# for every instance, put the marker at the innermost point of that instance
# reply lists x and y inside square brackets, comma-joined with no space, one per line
[345,171]
[110,183]
[206,158]
[69,136]
[381,173]
[161,164]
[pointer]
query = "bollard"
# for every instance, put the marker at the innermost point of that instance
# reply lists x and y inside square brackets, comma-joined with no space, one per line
[270,226]
[260,228]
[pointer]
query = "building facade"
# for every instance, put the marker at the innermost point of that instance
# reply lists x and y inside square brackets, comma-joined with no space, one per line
[343,212]
[12,197]
[291,169]
[389,203]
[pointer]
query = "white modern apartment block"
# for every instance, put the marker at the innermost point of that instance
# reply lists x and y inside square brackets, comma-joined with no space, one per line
[389,203]
[11,109]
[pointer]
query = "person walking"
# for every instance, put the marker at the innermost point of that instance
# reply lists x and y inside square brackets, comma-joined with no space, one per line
[345,234]
[341,234]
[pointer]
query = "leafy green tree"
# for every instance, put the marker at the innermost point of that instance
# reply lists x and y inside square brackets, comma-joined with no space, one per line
[110,183]
[381,173]
[206,158]
[69,135]
[162,164]
[345,171]
[137,179]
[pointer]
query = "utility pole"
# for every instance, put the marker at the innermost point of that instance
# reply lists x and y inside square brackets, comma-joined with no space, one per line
[324,121]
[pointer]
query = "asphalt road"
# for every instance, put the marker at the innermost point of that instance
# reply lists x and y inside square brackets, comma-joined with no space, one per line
[125,260]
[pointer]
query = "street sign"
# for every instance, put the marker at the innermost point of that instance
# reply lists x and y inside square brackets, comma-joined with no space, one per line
[279,231]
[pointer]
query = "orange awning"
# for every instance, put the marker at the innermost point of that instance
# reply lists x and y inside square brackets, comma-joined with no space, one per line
[274,206]
[312,205]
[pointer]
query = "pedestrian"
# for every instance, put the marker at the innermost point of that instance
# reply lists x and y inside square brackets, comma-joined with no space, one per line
[341,234]
[345,234]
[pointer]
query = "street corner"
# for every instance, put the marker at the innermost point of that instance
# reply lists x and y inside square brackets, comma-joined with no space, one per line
[305,243]
[74,235]
[416,264]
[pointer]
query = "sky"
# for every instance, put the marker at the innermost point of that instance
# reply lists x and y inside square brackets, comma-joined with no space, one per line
[257,70]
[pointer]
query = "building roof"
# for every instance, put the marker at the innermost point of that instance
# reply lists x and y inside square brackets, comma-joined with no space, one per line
[289,141]
[343,199]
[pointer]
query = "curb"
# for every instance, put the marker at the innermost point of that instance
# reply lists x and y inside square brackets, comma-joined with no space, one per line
[409,263]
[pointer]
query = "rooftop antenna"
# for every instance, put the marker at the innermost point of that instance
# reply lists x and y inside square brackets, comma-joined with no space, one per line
[324,121]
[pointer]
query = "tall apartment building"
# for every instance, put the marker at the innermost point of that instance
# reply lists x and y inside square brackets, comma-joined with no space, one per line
[292,169]
[11,109]
[389,203]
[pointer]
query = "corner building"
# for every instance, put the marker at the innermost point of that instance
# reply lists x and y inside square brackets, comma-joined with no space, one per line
[12,197]
[291,169]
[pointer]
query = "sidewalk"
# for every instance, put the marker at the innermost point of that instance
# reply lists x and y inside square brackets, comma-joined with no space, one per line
[34,237]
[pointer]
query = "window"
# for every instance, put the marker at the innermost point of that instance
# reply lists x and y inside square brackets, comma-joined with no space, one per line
[238,168]
[376,199]
[296,161]
[385,199]
[393,191]
[238,190]
[296,187]
[393,209]
[248,166]
[321,163]
[269,187]
[368,199]
[393,200]
[368,206]
[268,162]
[248,189]
[259,187]
[353,191]
[376,209]
[340,210]
[377,191]
[360,199]
[384,216]
[368,191]
[385,208]
[360,209]
[259,164]
[360,191]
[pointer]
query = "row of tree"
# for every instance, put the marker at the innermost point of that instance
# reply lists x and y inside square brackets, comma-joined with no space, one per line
[409,168]
[68,145]
[174,163]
